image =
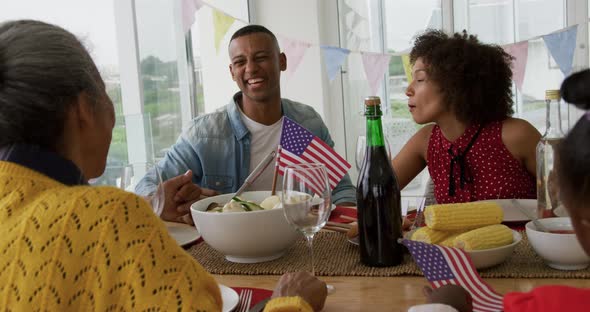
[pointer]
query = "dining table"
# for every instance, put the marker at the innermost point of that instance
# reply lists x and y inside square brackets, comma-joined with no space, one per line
[361,288]
[356,293]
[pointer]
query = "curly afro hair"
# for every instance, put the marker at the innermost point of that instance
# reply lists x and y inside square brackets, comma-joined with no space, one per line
[475,78]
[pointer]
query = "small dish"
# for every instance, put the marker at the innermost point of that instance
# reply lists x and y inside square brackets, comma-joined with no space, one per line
[559,251]
[229,297]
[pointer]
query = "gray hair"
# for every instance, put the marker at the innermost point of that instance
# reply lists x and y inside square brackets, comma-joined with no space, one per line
[43,68]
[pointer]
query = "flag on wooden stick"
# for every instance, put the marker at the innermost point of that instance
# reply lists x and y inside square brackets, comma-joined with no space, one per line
[299,146]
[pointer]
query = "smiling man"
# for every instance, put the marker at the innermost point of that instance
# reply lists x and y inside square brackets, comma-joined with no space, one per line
[222,148]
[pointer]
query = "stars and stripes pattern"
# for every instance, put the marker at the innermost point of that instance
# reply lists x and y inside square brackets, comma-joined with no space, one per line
[299,146]
[445,265]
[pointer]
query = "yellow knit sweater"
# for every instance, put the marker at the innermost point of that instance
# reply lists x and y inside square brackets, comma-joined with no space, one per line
[90,249]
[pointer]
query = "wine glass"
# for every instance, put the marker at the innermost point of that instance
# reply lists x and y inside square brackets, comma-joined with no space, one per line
[131,174]
[361,149]
[306,200]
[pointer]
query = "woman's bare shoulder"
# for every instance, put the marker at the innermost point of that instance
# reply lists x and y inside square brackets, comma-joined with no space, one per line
[425,131]
[516,131]
[520,138]
[420,139]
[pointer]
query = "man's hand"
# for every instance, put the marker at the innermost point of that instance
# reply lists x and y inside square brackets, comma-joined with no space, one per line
[181,193]
[453,295]
[304,285]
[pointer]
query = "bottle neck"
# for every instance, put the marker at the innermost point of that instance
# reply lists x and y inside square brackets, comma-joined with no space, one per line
[553,120]
[374,127]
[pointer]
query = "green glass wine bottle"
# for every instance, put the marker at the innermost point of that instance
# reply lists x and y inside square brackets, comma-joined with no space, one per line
[378,197]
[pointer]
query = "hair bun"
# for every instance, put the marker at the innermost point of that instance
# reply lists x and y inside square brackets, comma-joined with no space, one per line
[575,89]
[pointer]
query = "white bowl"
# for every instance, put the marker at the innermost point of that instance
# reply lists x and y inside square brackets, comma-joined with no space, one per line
[244,237]
[559,251]
[489,257]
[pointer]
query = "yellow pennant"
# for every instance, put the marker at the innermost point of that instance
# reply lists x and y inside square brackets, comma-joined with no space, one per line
[221,23]
[407,67]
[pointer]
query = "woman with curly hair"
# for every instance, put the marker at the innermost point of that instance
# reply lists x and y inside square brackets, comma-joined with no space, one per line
[473,148]
[573,171]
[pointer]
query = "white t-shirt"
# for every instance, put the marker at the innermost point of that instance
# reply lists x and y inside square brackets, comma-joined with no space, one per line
[263,140]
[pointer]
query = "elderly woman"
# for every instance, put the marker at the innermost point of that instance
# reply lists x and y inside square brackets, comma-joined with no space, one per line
[473,149]
[67,246]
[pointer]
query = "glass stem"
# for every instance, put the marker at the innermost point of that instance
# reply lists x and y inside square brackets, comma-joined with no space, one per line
[309,238]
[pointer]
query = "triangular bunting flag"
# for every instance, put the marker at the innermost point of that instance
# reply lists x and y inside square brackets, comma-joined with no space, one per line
[334,58]
[561,45]
[189,8]
[375,66]
[294,49]
[407,67]
[221,23]
[520,52]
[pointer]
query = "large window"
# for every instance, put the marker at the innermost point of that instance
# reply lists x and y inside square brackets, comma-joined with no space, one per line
[153,103]
[94,23]
[390,26]
[158,65]
[383,27]
[510,21]
[399,31]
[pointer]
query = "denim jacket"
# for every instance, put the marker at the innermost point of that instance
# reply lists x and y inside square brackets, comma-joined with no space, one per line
[216,147]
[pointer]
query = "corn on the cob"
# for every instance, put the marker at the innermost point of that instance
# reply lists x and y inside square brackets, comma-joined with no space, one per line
[287,304]
[448,242]
[487,237]
[430,236]
[463,216]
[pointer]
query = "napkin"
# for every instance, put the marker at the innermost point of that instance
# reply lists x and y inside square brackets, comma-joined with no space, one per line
[258,294]
[340,211]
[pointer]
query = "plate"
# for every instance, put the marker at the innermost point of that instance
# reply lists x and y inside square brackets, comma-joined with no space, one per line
[512,213]
[184,234]
[354,240]
[229,297]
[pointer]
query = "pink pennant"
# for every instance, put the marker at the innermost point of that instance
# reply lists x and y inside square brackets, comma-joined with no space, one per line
[519,51]
[375,66]
[189,8]
[294,49]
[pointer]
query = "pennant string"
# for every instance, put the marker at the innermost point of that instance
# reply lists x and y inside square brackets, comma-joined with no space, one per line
[560,43]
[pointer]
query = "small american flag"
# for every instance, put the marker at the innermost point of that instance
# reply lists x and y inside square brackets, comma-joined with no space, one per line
[445,265]
[299,146]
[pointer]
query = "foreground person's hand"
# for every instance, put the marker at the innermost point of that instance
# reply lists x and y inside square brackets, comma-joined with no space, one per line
[304,285]
[180,194]
[353,231]
[453,295]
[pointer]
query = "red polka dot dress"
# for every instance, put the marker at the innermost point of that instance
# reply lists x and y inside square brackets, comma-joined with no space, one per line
[476,166]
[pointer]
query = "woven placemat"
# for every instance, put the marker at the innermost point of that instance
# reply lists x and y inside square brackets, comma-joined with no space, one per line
[335,256]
